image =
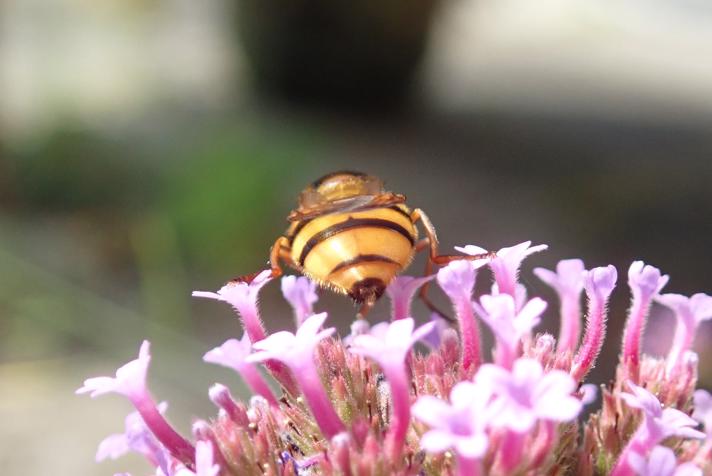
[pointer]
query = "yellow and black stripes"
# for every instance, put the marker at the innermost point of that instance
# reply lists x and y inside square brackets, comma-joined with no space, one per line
[357,253]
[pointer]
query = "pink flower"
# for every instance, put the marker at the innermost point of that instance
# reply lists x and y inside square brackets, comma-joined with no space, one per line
[389,345]
[204,465]
[599,284]
[662,462]
[401,292]
[297,352]
[567,281]
[690,312]
[657,425]
[301,294]
[457,280]
[527,394]
[505,266]
[242,296]
[460,425]
[645,282]
[130,381]
[137,438]
[508,325]
[222,398]
[703,410]
[233,354]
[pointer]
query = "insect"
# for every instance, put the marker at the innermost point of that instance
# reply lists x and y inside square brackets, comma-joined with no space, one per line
[351,236]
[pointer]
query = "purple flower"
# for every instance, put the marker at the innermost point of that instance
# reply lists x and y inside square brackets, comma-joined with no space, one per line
[297,352]
[527,394]
[137,438]
[645,282]
[460,425]
[301,294]
[599,284]
[505,266]
[389,345]
[401,292]
[567,281]
[457,280]
[508,325]
[242,296]
[657,424]
[434,338]
[130,381]
[703,410]
[233,354]
[662,462]
[690,312]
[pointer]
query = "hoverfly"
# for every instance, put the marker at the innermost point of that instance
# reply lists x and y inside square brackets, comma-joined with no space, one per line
[353,237]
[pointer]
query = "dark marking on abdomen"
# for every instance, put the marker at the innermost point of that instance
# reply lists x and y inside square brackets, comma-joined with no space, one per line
[363,259]
[350,224]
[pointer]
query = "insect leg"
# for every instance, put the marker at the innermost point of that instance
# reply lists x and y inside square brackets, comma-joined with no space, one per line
[280,251]
[431,241]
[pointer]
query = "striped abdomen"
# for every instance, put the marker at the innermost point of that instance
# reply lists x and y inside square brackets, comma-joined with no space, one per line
[357,253]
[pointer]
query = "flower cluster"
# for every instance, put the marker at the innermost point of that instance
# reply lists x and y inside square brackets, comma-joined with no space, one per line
[370,404]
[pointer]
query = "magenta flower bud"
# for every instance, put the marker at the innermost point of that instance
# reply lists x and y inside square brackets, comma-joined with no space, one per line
[505,266]
[222,398]
[657,425]
[509,326]
[460,425]
[389,345]
[233,354]
[301,294]
[599,284]
[645,282]
[130,381]
[567,281]
[297,352]
[457,280]
[242,296]
[690,312]
[401,292]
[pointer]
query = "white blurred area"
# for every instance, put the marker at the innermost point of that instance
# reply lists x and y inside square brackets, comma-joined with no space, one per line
[105,62]
[638,59]
[109,61]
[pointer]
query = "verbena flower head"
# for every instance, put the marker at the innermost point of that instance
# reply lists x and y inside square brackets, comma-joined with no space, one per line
[375,403]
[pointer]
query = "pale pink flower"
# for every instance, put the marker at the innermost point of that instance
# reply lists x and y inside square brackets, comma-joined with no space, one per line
[505,266]
[242,296]
[509,326]
[567,281]
[599,284]
[300,291]
[204,461]
[662,462]
[297,352]
[233,354]
[527,394]
[690,312]
[130,381]
[401,292]
[657,425]
[645,282]
[137,438]
[389,344]
[703,410]
[457,279]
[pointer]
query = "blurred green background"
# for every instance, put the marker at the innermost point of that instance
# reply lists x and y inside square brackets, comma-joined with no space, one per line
[152,147]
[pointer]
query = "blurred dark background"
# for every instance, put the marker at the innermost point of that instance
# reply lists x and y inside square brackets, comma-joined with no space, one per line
[152,147]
